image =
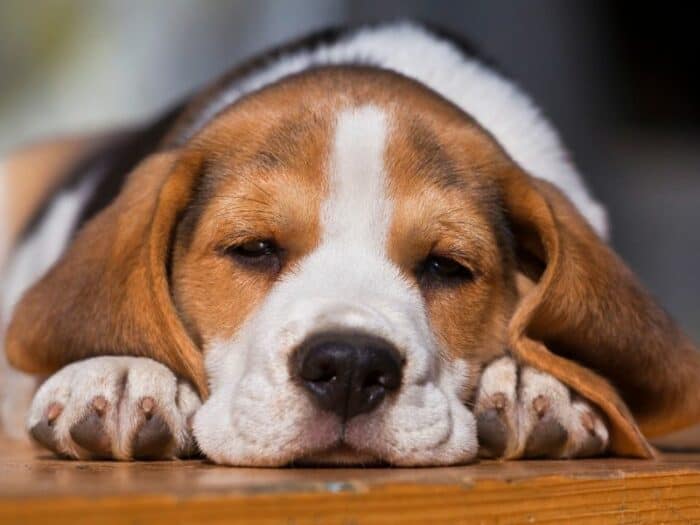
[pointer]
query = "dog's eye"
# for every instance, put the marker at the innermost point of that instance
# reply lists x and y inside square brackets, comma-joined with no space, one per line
[259,253]
[443,270]
[256,248]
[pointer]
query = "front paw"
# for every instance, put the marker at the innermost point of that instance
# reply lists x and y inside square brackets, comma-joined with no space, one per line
[525,413]
[114,408]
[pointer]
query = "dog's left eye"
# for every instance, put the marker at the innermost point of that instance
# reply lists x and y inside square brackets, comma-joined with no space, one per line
[257,253]
[437,269]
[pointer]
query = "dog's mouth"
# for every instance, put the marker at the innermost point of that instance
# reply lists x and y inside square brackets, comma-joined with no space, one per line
[339,455]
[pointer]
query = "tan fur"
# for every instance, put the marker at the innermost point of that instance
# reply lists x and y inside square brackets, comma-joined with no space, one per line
[437,212]
[270,186]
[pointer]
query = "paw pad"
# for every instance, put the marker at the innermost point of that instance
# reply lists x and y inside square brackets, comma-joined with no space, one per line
[540,404]
[153,439]
[43,432]
[90,434]
[492,433]
[546,439]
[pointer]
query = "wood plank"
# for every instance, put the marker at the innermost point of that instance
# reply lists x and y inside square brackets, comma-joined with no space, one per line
[36,488]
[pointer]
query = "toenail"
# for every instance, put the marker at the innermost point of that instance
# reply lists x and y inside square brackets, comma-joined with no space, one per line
[100,405]
[499,401]
[540,404]
[53,412]
[153,440]
[588,422]
[147,405]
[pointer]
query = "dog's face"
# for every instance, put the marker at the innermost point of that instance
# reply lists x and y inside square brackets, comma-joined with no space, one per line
[345,266]
[331,261]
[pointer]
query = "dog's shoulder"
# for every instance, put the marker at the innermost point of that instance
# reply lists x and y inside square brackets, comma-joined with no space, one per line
[27,177]
[30,177]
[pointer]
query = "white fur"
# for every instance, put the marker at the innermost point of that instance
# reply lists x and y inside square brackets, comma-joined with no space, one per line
[123,382]
[347,282]
[32,259]
[495,102]
[26,265]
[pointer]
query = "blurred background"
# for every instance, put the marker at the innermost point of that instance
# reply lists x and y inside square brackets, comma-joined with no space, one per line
[621,81]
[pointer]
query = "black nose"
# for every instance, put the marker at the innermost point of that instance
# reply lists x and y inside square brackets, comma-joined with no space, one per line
[348,373]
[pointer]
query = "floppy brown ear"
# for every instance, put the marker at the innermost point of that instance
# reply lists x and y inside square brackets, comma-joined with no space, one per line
[109,293]
[588,322]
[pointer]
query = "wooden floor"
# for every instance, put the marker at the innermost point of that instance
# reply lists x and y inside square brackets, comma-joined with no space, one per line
[35,488]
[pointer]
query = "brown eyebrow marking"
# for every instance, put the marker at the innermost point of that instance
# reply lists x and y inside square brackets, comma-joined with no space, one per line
[428,158]
[204,191]
[283,142]
[278,148]
[431,158]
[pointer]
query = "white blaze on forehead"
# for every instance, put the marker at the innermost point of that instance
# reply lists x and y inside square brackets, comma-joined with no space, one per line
[348,281]
[357,209]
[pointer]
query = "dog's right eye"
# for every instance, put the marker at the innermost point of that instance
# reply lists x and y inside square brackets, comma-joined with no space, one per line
[256,248]
[258,253]
[437,270]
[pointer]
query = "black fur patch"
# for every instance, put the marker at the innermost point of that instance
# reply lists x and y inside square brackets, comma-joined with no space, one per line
[110,164]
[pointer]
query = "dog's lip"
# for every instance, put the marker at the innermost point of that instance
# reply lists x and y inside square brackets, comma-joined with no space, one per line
[340,454]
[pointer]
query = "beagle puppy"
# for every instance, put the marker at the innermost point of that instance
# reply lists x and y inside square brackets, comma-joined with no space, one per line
[365,247]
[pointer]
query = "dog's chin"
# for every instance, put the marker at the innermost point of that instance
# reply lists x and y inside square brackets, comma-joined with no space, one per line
[341,455]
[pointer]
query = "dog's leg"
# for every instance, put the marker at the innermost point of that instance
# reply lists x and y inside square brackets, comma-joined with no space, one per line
[524,413]
[114,407]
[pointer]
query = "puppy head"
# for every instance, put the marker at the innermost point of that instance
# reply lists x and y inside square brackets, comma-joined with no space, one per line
[335,257]
[341,245]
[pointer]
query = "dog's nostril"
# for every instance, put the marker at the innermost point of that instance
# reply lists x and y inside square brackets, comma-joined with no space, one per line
[323,371]
[348,373]
[374,378]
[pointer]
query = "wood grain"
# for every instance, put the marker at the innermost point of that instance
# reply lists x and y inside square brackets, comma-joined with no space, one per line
[35,488]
